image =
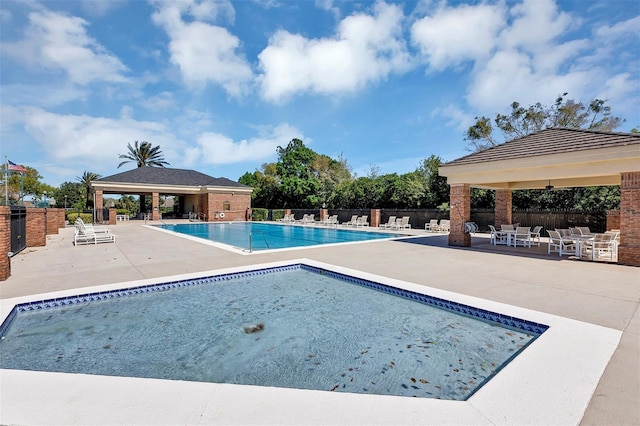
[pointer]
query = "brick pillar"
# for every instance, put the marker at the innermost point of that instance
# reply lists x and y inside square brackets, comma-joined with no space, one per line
[324,213]
[62,220]
[503,208]
[97,208]
[155,206]
[36,227]
[51,221]
[629,250]
[5,242]
[112,216]
[613,219]
[249,216]
[460,199]
[375,218]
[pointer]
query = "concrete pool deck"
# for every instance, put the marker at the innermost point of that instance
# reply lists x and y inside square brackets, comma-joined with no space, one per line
[601,294]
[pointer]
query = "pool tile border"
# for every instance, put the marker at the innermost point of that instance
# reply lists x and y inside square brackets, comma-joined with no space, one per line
[478,313]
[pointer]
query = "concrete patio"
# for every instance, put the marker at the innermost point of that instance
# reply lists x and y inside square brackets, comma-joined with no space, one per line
[607,295]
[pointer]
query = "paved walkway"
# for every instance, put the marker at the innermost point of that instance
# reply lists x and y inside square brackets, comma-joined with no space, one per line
[597,293]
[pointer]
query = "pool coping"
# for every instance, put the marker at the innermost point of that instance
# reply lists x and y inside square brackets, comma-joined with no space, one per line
[246,252]
[551,382]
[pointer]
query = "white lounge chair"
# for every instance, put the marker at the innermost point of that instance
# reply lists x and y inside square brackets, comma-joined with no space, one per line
[352,221]
[88,234]
[432,226]
[389,224]
[362,221]
[445,225]
[402,223]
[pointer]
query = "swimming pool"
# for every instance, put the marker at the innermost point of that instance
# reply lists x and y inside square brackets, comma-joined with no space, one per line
[296,326]
[259,236]
[559,372]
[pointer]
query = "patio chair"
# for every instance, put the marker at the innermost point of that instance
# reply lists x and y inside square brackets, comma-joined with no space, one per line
[560,245]
[507,228]
[535,235]
[600,245]
[432,226]
[389,224]
[522,237]
[445,225]
[329,220]
[585,230]
[497,237]
[84,234]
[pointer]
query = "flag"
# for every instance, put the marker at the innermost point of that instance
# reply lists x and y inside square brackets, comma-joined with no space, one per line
[15,167]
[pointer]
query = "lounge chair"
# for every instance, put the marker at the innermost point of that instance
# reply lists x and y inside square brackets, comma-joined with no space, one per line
[352,221]
[362,221]
[445,225]
[329,221]
[559,244]
[87,234]
[497,237]
[432,226]
[389,224]
[402,223]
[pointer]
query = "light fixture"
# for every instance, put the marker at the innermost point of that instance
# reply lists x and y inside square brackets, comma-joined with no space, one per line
[549,187]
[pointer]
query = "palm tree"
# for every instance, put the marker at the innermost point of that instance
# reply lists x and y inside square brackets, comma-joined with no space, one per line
[85,180]
[144,155]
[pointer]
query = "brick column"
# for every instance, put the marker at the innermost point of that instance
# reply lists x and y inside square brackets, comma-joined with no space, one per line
[51,221]
[112,216]
[249,215]
[460,199]
[629,250]
[324,213]
[155,206]
[374,220]
[5,242]
[503,208]
[97,208]
[36,227]
[62,220]
[613,219]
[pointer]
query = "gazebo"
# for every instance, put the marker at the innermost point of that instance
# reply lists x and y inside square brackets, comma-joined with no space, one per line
[551,157]
[205,197]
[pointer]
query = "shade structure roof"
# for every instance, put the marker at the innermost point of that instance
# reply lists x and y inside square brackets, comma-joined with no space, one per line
[554,156]
[166,180]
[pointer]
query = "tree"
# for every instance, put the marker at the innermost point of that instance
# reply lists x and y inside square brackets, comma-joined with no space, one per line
[522,121]
[85,180]
[298,185]
[25,184]
[437,187]
[70,195]
[144,155]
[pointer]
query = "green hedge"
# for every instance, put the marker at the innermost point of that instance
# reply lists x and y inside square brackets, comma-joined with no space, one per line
[259,214]
[277,214]
[86,217]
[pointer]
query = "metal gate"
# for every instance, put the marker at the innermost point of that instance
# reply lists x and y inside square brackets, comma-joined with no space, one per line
[18,229]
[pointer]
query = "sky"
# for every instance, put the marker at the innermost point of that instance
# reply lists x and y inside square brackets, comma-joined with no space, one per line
[220,85]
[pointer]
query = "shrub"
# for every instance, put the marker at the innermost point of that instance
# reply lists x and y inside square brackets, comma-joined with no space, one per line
[277,214]
[259,214]
[86,217]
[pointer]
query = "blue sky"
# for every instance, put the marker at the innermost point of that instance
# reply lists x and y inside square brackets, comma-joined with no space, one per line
[220,85]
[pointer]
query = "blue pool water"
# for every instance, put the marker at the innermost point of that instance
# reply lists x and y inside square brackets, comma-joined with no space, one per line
[294,326]
[265,236]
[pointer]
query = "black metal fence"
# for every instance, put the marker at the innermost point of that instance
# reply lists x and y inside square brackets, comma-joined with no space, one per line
[548,219]
[18,229]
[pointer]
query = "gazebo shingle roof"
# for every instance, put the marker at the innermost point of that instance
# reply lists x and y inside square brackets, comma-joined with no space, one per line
[168,176]
[549,141]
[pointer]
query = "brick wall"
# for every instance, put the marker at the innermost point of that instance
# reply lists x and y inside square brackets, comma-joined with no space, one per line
[37,227]
[503,208]
[613,219]
[460,212]
[112,216]
[5,242]
[238,205]
[51,221]
[629,250]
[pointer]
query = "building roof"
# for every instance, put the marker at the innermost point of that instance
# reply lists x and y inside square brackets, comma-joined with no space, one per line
[168,176]
[549,141]
[557,157]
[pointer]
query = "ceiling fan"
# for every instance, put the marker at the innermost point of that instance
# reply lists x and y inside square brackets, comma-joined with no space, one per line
[549,187]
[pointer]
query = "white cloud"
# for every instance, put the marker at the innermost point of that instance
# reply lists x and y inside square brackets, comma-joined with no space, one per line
[454,117]
[454,35]
[204,53]
[59,43]
[365,49]
[628,28]
[220,149]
